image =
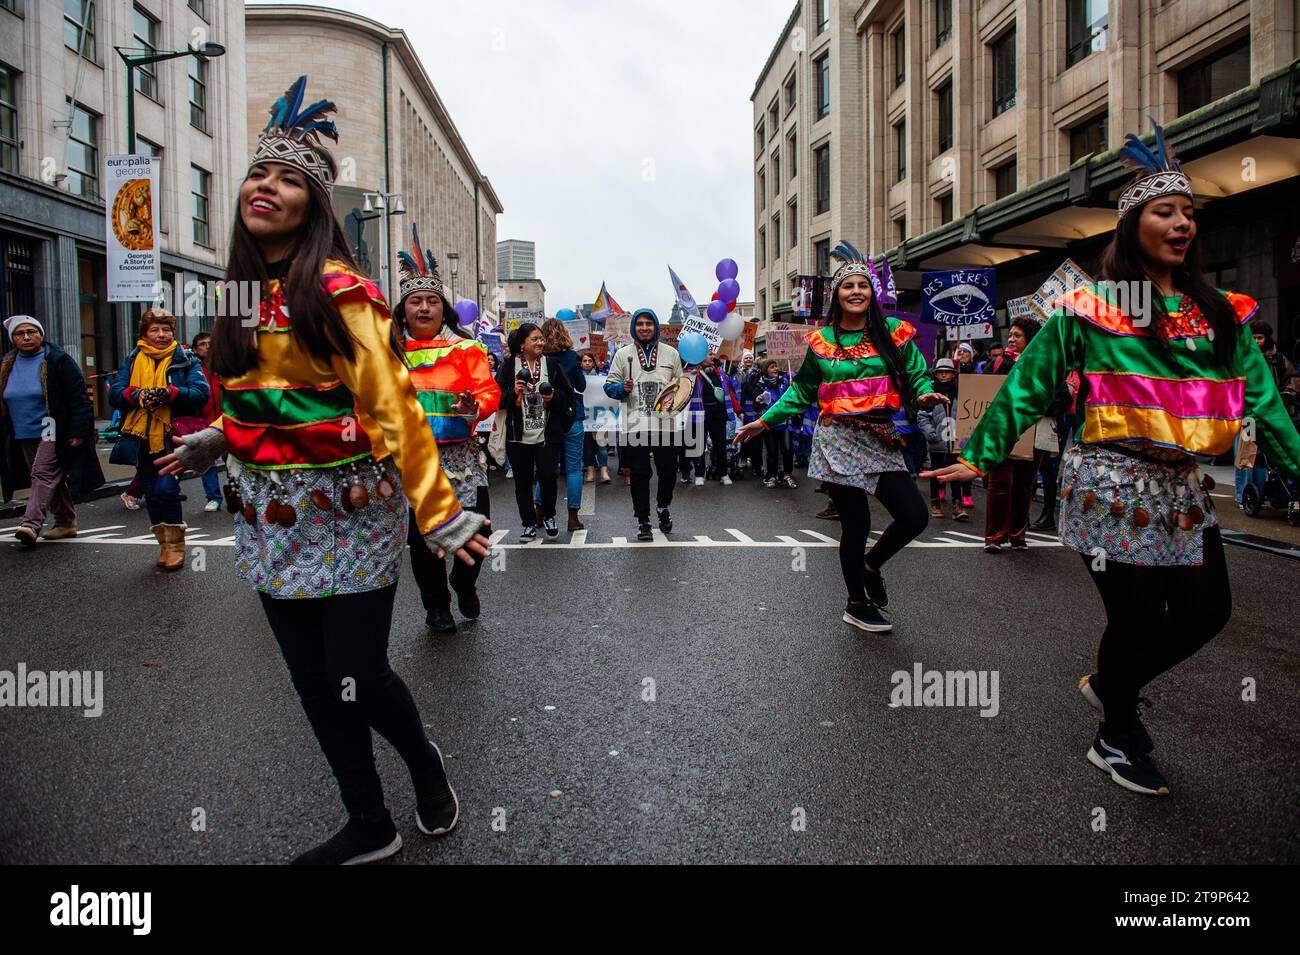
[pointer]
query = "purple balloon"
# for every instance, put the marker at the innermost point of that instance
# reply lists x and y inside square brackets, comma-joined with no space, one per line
[717,311]
[727,269]
[729,290]
[467,311]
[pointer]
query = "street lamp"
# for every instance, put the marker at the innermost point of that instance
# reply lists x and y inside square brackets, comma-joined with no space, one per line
[137,56]
[383,204]
[454,259]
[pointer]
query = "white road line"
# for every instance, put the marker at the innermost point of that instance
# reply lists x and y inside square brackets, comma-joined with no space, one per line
[1048,537]
[578,539]
[818,536]
[498,535]
[740,536]
[588,505]
[974,537]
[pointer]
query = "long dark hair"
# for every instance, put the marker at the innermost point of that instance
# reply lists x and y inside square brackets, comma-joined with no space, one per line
[880,338]
[316,320]
[1121,261]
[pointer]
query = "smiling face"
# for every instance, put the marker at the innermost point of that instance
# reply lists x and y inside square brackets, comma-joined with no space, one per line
[423,312]
[27,338]
[855,295]
[273,203]
[644,328]
[533,345]
[1166,227]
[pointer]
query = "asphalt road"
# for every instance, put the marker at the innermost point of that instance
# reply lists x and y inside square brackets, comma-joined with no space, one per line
[770,737]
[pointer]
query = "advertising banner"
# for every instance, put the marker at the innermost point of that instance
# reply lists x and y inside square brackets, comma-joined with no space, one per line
[130,211]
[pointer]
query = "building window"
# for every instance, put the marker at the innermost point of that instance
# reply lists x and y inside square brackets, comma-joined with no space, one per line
[1214,77]
[82,154]
[198,93]
[942,22]
[1004,72]
[1085,28]
[944,95]
[776,173]
[774,115]
[760,139]
[901,225]
[822,70]
[793,219]
[79,28]
[762,304]
[1004,180]
[776,237]
[776,292]
[762,248]
[8,120]
[10,5]
[1089,137]
[900,57]
[200,189]
[199,7]
[822,175]
[793,154]
[900,149]
[762,190]
[823,15]
[945,208]
[145,30]
[791,94]
[822,256]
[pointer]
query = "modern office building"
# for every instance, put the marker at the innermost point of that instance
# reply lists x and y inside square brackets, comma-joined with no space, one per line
[985,133]
[516,260]
[396,139]
[63,108]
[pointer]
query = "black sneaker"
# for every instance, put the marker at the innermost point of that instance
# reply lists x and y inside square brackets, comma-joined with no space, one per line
[528,534]
[867,616]
[875,584]
[828,513]
[643,532]
[439,621]
[552,530]
[1126,757]
[665,522]
[437,809]
[468,602]
[361,840]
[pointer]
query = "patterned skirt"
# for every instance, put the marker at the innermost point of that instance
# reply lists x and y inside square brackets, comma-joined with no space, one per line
[464,466]
[340,540]
[1134,511]
[850,455]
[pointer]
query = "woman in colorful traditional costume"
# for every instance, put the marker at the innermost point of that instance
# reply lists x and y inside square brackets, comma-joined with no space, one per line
[326,445]
[1160,387]
[861,368]
[452,381]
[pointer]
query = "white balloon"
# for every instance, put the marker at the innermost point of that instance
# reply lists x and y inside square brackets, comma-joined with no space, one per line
[731,327]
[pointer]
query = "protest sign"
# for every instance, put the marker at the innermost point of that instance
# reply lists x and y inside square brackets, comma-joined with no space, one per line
[785,341]
[958,296]
[974,395]
[1066,278]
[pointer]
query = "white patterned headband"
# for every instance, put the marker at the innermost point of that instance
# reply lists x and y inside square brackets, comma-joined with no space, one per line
[1159,172]
[292,135]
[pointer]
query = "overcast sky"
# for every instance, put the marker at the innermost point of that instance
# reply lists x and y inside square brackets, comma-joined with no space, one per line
[616,132]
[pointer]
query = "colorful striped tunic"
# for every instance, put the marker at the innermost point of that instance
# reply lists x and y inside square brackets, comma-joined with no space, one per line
[1137,392]
[851,378]
[440,371]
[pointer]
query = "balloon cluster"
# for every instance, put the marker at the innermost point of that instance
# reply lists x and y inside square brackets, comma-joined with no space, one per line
[723,305]
[467,312]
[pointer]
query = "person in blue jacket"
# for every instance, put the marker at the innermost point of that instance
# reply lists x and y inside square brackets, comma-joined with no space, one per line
[160,379]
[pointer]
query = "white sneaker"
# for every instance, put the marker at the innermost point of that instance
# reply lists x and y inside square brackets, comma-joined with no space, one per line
[699,482]
[726,480]
[212,506]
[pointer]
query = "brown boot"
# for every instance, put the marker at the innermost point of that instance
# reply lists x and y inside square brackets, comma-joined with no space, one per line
[604,475]
[160,532]
[591,475]
[537,512]
[574,523]
[173,547]
[627,476]
[959,512]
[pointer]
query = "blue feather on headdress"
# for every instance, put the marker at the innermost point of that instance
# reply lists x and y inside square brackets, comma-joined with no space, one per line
[408,263]
[845,252]
[1136,155]
[288,116]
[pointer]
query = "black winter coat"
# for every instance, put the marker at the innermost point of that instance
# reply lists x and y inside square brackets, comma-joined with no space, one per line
[68,404]
[559,413]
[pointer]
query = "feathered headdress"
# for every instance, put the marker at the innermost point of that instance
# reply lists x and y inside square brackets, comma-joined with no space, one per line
[877,273]
[292,135]
[1158,172]
[418,270]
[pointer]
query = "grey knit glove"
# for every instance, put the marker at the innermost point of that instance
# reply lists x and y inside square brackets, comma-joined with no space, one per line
[456,533]
[202,449]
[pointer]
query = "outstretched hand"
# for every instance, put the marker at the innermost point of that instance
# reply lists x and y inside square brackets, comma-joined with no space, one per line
[478,545]
[932,399]
[748,431]
[953,472]
[170,463]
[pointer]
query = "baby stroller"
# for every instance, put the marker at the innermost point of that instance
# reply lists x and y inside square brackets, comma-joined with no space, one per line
[1275,490]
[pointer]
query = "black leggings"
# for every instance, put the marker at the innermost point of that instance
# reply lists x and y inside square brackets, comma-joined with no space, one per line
[337,652]
[897,491]
[430,570]
[1156,617]
[533,462]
